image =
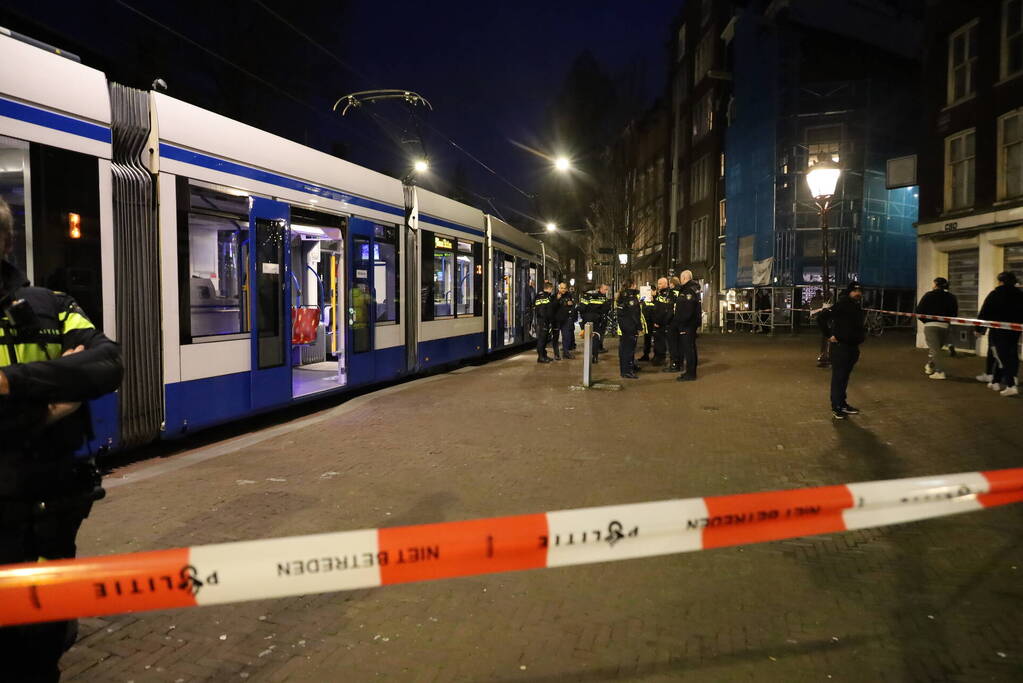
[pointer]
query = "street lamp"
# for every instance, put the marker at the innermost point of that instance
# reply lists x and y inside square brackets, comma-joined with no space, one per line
[563,164]
[551,227]
[822,179]
[421,166]
[623,259]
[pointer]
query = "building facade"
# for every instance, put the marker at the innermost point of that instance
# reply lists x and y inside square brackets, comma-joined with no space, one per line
[971,152]
[819,81]
[699,89]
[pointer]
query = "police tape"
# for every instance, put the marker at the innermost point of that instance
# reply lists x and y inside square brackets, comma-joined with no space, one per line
[329,562]
[974,322]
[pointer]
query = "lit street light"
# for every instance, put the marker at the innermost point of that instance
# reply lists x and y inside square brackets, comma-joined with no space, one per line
[421,166]
[551,227]
[563,164]
[822,179]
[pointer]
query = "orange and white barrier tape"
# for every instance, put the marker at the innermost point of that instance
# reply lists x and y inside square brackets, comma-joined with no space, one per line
[301,565]
[974,322]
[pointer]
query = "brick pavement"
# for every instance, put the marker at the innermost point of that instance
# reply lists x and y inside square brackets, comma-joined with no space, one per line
[932,601]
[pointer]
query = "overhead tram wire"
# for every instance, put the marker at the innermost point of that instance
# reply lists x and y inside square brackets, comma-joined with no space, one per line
[370,82]
[248,73]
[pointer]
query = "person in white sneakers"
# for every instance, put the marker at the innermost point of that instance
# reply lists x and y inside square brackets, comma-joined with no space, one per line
[1004,304]
[938,302]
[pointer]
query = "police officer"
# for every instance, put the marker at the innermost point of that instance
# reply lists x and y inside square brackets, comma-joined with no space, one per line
[687,318]
[649,307]
[564,321]
[661,318]
[543,317]
[52,359]
[630,324]
[671,331]
[844,325]
[593,308]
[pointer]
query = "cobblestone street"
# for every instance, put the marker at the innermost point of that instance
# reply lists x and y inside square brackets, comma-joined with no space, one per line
[930,601]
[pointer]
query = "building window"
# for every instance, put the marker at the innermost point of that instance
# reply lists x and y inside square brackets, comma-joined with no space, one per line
[722,175]
[700,235]
[823,143]
[703,116]
[962,63]
[721,267]
[681,41]
[1010,155]
[1012,38]
[703,58]
[722,218]
[699,179]
[960,159]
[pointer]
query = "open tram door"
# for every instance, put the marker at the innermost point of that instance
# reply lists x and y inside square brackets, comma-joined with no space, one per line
[318,310]
[269,290]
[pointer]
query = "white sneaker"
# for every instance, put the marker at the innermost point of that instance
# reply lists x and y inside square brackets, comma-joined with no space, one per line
[994,386]
[928,369]
[986,379]
[937,375]
[1011,391]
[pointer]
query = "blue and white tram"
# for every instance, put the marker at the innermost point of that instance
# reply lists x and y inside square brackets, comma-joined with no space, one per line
[240,272]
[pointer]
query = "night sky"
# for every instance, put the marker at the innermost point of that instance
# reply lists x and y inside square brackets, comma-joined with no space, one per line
[490,70]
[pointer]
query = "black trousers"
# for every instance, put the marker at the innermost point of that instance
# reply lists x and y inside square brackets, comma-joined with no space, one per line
[627,353]
[660,344]
[687,350]
[543,333]
[567,330]
[671,335]
[32,652]
[843,359]
[648,343]
[1006,352]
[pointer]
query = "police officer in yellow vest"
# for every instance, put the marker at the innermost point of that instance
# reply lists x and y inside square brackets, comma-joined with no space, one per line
[52,360]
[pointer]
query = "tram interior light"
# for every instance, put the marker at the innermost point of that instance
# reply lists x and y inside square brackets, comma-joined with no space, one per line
[74,223]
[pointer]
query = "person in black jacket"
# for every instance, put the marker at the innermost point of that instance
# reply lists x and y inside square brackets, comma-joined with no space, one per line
[662,316]
[52,360]
[671,332]
[630,324]
[593,308]
[564,321]
[687,318]
[1004,304]
[939,301]
[649,309]
[543,317]
[845,324]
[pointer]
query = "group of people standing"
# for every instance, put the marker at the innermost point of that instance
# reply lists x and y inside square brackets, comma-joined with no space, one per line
[843,328]
[668,318]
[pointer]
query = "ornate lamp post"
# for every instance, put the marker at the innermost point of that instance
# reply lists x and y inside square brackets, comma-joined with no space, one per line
[822,179]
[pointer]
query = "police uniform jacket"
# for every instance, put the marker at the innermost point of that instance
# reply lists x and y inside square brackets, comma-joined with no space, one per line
[630,319]
[36,327]
[649,309]
[544,305]
[687,313]
[664,303]
[594,306]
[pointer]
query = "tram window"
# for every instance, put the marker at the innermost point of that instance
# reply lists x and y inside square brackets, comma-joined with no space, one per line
[443,277]
[359,297]
[215,248]
[385,273]
[466,280]
[61,183]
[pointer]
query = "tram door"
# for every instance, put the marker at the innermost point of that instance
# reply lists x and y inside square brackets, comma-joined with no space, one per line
[269,294]
[361,302]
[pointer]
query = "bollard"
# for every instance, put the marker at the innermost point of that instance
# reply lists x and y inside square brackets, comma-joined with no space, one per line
[588,382]
[588,355]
